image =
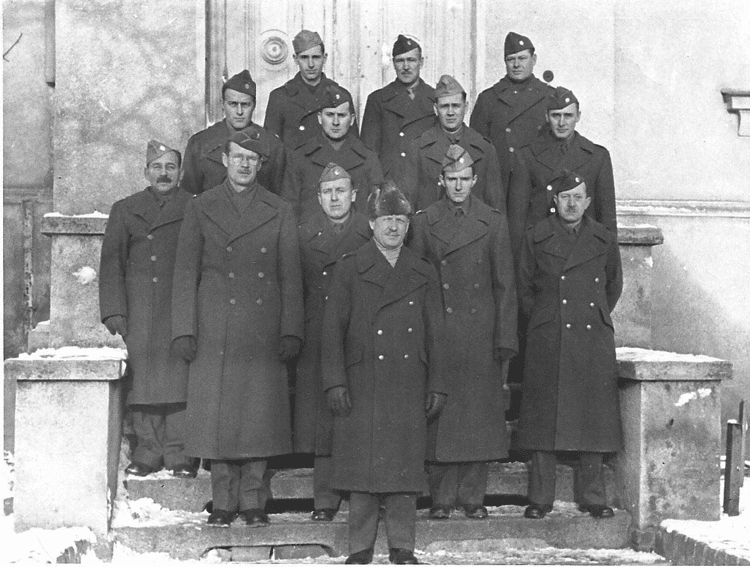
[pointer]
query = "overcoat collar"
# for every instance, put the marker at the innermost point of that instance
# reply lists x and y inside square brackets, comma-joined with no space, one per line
[434,144]
[215,148]
[409,273]
[300,94]
[396,100]
[319,151]
[545,148]
[591,242]
[475,225]
[319,234]
[222,212]
[146,206]
[504,90]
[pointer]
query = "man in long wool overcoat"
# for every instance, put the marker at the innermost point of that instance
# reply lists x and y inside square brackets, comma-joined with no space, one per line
[237,315]
[570,278]
[135,299]
[382,371]
[468,243]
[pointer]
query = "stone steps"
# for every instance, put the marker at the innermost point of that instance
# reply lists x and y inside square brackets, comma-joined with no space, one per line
[505,479]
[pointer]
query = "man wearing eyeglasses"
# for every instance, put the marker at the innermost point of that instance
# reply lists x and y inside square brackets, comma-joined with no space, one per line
[204,167]
[237,317]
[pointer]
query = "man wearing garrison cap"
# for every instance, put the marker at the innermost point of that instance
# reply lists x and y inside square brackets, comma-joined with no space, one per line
[419,173]
[293,107]
[204,168]
[237,318]
[335,229]
[557,148]
[569,278]
[381,359]
[467,242]
[512,111]
[135,300]
[400,111]
[334,143]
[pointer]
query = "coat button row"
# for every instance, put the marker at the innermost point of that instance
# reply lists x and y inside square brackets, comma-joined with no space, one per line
[588,327]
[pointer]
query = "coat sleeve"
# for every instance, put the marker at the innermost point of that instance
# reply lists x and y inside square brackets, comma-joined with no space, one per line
[277,165]
[605,205]
[504,287]
[291,187]
[496,193]
[435,337]
[614,274]
[274,121]
[519,197]
[187,274]
[479,120]
[113,299]
[336,317]
[526,272]
[416,239]
[290,277]
[375,176]
[370,133]
[192,175]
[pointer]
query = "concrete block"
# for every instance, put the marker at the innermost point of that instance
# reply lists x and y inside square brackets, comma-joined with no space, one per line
[68,421]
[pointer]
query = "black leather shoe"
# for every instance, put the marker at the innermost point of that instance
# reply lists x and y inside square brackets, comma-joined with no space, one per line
[139,469]
[440,512]
[323,515]
[597,511]
[255,518]
[402,556]
[184,471]
[476,512]
[220,518]
[536,512]
[360,558]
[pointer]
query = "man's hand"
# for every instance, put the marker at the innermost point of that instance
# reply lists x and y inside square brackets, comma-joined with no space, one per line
[434,404]
[289,347]
[503,354]
[117,325]
[185,347]
[339,401]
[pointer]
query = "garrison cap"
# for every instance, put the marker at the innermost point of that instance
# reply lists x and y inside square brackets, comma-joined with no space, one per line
[332,172]
[242,82]
[561,97]
[403,45]
[456,159]
[305,40]
[566,181]
[448,86]
[249,139]
[515,42]
[334,96]
[387,200]
[156,149]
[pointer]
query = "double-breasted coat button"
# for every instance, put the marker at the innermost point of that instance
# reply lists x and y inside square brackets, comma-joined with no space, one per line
[381,357]
[406,356]
[596,280]
[401,134]
[229,248]
[155,280]
[591,304]
[476,286]
[473,310]
[409,330]
[562,277]
[567,326]
[512,150]
[411,303]
[403,154]
[507,130]
[261,275]
[233,301]
[302,127]
[259,302]
[325,273]
[565,301]
[150,237]
[552,209]
[231,274]
[549,187]
[153,258]
[449,310]
[380,331]
[263,250]
[444,263]
[446,286]
[588,327]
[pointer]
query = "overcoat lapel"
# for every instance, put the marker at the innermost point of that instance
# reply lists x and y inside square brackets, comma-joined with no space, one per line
[257,214]
[146,208]
[173,210]
[403,280]
[588,246]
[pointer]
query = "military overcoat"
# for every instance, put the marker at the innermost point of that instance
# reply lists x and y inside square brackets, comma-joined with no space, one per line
[568,289]
[381,338]
[203,167]
[392,120]
[238,289]
[320,248]
[540,162]
[292,111]
[421,169]
[135,281]
[511,116]
[306,165]
[477,279]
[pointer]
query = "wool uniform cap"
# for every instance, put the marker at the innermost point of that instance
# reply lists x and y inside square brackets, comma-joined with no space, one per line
[403,45]
[515,42]
[242,82]
[305,40]
[560,98]
[448,86]
[333,172]
[566,181]
[387,200]
[334,96]
[156,149]
[249,139]
[456,159]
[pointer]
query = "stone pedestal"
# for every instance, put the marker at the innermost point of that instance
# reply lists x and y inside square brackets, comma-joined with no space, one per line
[671,418]
[68,419]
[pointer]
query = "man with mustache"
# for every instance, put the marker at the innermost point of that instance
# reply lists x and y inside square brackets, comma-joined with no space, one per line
[569,281]
[293,107]
[335,143]
[401,110]
[135,300]
[204,168]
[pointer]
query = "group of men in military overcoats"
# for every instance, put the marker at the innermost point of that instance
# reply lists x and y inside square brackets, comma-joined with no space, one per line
[404,269]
